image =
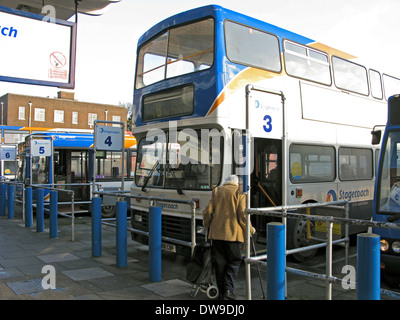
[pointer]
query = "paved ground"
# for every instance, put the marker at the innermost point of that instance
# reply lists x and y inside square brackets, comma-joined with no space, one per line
[79,276]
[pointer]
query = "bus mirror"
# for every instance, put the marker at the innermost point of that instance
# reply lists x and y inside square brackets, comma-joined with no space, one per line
[376,136]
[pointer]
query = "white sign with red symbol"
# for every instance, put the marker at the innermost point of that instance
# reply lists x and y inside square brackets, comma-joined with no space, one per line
[59,69]
[34,51]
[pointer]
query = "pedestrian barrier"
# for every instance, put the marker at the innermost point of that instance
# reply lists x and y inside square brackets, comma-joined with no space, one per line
[368,252]
[154,233]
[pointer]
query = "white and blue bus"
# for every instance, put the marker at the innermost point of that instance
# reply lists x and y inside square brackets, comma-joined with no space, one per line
[190,113]
[70,166]
[387,195]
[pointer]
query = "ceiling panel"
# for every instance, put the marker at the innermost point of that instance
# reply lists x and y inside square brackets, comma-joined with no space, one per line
[64,8]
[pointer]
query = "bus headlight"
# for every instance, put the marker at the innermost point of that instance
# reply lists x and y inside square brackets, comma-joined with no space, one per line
[384,245]
[396,246]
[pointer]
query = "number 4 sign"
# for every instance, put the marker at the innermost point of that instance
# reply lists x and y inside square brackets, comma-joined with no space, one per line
[108,138]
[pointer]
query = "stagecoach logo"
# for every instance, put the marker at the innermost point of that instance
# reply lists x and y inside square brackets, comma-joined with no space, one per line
[347,195]
[164,205]
[260,105]
[331,196]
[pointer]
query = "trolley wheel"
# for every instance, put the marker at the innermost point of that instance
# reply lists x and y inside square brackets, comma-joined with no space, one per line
[212,292]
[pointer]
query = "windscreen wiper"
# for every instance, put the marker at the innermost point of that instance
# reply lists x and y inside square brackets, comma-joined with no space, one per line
[178,189]
[393,218]
[149,176]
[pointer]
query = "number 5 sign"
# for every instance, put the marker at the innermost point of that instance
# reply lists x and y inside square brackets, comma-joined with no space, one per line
[41,147]
[108,138]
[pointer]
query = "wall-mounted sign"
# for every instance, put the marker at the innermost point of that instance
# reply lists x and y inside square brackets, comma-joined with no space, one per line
[36,50]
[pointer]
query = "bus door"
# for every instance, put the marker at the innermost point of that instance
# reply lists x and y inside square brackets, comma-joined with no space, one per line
[71,169]
[266,180]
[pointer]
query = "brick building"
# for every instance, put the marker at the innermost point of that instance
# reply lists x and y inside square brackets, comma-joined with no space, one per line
[60,112]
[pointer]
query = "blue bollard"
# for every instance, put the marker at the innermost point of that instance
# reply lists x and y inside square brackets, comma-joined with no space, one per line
[276,261]
[121,234]
[368,267]
[155,244]
[28,207]
[11,193]
[39,210]
[3,190]
[96,227]
[53,214]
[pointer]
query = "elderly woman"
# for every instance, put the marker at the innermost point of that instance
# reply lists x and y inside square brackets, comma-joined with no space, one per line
[225,217]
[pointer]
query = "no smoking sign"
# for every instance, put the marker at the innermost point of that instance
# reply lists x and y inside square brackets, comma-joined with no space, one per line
[58,60]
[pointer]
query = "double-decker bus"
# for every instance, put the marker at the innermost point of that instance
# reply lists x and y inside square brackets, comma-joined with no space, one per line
[198,75]
[70,166]
[387,194]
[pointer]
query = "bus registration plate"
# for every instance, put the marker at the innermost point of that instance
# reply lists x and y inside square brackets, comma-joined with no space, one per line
[168,247]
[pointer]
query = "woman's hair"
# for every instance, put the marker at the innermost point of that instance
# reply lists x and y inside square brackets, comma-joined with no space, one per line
[232,179]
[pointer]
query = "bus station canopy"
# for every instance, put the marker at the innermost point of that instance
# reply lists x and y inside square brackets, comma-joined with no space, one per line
[64,8]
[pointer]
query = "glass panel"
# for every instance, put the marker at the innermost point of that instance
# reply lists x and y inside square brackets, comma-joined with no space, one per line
[311,163]
[183,50]
[12,137]
[392,86]
[376,84]
[193,161]
[350,76]
[389,184]
[169,103]
[190,48]
[40,170]
[110,166]
[306,63]
[249,46]
[355,164]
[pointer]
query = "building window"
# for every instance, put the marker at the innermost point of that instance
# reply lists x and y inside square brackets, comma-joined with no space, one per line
[91,118]
[59,116]
[21,113]
[74,117]
[40,114]
[117,119]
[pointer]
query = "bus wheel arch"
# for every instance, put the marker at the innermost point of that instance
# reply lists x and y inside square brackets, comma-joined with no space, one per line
[297,236]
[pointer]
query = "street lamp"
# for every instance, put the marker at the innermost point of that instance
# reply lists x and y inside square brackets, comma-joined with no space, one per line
[30,109]
[2,105]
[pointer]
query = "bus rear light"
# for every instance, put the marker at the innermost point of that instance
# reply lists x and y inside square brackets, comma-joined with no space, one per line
[197,202]
[299,193]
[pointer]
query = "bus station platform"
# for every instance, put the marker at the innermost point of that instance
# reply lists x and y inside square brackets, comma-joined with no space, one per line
[80,276]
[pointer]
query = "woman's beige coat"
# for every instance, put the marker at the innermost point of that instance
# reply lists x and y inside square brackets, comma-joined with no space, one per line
[226,212]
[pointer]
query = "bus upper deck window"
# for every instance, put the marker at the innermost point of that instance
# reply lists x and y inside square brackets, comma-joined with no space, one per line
[178,51]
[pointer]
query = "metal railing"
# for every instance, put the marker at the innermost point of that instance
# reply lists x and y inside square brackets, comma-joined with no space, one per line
[282,212]
[191,203]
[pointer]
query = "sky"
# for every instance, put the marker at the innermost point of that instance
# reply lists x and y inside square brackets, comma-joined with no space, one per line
[106,47]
